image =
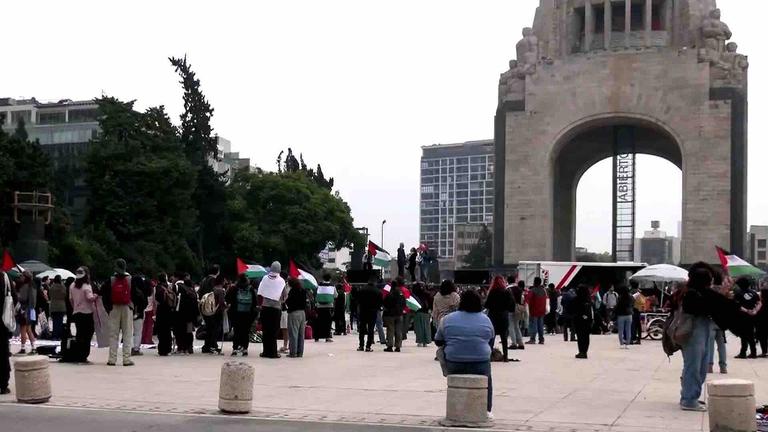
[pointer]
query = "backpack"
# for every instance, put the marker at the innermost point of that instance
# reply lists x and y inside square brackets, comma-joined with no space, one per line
[244,300]
[121,290]
[208,305]
[677,331]
[170,297]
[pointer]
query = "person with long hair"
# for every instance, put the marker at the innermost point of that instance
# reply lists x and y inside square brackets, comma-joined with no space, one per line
[499,303]
[242,301]
[583,317]
[421,324]
[466,337]
[83,300]
[516,313]
[166,299]
[27,314]
[445,302]
[623,310]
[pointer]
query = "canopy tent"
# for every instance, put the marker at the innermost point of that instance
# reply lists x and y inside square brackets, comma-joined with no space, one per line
[50,274]
[661,273]
[35,266]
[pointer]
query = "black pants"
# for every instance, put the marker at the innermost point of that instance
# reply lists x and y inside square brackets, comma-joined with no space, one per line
[401,270]
[85,329]
[762,337]
[183,339]
[366,326]
[242,322]
[270,325]
[212,332]
[164,338]
[748,341]
[412,271]
[5,362]
[582,328]
[340,323]
[637,331]
[322,328]
[568,325]
[501,327]
[57,318]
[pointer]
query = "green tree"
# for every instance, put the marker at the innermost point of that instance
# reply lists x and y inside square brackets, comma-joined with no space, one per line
[479,257]
[201,146]
[293,165]
[277,216]
[141,184]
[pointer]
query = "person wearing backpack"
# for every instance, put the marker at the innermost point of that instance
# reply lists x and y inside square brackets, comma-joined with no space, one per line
[213,308]
[242,300]
[325,311]
[166,306]
[117,298]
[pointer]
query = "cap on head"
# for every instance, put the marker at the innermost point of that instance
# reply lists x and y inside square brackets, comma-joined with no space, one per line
[275,267]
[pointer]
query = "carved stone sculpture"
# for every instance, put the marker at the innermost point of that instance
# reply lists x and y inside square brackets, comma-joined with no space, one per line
[714,33]
[735,64]
[528,51]
[512,83]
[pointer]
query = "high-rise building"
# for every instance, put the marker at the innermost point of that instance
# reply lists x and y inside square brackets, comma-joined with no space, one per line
[456,188]
[758,245]
[229,161]
[656,247]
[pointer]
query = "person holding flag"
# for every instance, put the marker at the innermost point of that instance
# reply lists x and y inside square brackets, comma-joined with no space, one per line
[394,306]
[272,294]
[326,295]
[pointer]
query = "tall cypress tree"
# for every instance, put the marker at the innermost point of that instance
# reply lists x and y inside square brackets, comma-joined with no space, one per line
[201,146]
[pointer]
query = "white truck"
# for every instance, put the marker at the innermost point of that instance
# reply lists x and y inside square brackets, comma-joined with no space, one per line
[564,274]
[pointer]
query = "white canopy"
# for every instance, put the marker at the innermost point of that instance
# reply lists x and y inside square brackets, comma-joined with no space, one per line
[661,273]
[64,273]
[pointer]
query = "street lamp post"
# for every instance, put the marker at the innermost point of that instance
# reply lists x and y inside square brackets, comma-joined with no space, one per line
[382,232]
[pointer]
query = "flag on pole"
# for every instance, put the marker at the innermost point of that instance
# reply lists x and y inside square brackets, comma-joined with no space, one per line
[380,257]
[251,271]
[304,277]
[9,265]
[735,266]
[410,303]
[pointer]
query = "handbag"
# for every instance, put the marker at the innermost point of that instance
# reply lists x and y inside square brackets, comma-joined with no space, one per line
[9,317]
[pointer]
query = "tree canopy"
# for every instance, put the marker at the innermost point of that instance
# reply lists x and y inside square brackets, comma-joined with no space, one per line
[479,257]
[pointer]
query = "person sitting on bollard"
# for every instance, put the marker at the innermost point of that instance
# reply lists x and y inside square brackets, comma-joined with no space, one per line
[466,337]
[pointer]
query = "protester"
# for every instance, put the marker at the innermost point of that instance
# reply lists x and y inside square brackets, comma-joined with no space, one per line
[749,301]
[322,329]
[610,300]
[26,314]
[567,304]
[421,324]
[214,319]
[147,329]
[401,260]
[498,304]
[761,322]
[637,311]
[82,299]
[717,335]
[140,290]
[466,336]
[623,309]
[583,317]
[445,302]
[272,294]
[208,283]
[116,295]
[166,300]
[394,305]
[186,316]
[408,313]
[5,335]
[57,295]
[550,319]
[242,299]
[369,301]
[537,307]
[339,311]
[296,304]
[516,313]
[412,257]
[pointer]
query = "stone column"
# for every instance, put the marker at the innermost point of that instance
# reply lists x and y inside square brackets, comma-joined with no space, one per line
[589,26]
[648,21]
[731,406]
[627,22]
[607,24]
[236,387]
[466,402]
[33,382]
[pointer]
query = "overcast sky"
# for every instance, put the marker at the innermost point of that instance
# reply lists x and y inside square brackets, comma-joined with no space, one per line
[358,86]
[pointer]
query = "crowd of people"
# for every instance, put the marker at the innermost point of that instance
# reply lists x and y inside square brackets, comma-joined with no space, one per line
[168,312]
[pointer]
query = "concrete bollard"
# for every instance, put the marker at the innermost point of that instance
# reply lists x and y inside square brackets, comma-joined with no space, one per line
[236,387]
[466,402]
[731,406]
[33,381]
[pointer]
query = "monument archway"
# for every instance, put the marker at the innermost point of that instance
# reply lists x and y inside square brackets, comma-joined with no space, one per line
[584,145]
[588,68]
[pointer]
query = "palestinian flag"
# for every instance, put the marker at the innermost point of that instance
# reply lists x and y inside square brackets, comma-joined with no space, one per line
[9,265]
[251,271]
[410,302]
[326,294]
[735,266]
[305,277]
[380,257]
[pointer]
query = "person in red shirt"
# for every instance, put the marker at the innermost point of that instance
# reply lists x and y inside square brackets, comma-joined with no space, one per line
[537,307]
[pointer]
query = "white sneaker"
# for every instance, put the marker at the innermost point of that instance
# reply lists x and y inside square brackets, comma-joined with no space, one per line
[490,415]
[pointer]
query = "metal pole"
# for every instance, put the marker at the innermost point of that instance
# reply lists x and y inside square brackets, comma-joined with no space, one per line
[382,232]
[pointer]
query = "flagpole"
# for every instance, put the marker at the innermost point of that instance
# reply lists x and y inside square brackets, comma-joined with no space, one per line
[382,232]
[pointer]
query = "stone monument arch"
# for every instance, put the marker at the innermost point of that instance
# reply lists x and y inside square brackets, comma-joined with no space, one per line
[658,77]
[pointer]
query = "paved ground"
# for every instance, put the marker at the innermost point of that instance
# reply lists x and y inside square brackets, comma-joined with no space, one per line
[616,390]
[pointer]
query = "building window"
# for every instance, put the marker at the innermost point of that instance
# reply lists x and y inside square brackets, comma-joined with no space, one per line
[47,118]
[3,118]
[84,115]
[16,116]
[761,243]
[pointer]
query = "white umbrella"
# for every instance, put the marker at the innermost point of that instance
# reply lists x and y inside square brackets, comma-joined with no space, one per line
[661,273]
[50,274]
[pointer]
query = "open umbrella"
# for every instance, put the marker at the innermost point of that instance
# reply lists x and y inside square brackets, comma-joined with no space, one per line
[35,266]
[50,274]
[661,273]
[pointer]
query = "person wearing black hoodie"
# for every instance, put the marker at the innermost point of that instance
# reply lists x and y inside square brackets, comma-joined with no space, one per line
[339,311]
[369,302]
[749,301]
[242,300]
[583,317]
[164,315]
[394,305]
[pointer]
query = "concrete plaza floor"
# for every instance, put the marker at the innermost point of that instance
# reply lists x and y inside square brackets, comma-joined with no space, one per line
[634,390]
